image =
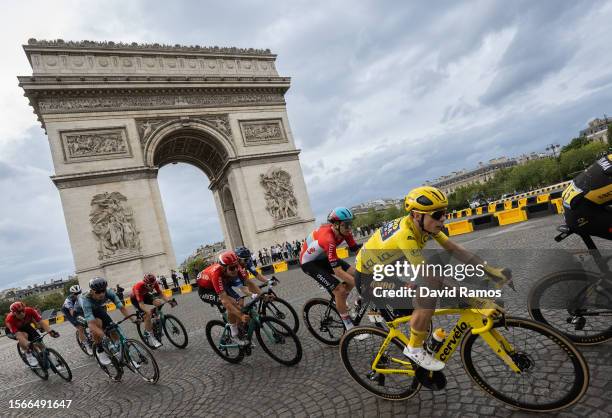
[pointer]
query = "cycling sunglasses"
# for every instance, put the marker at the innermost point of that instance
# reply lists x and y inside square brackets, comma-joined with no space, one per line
[437,215]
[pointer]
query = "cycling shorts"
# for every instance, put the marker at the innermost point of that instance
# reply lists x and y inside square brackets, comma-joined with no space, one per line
[147,300]
[322,271]
[590,218]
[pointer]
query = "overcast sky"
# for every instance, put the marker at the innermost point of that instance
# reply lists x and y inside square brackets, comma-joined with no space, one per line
[384,96]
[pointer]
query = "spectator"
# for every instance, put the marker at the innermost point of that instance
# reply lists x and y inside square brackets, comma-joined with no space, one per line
[260,256]
[164,282]
[119,291]
[185,276]
[254,260]
[174,278]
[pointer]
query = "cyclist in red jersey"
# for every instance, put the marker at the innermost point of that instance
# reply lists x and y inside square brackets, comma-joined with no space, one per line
[225,278]
[148,292]
[320,260]
[19,327]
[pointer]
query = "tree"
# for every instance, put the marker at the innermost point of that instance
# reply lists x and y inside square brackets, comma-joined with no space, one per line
[69,283]
[52,301]
[609,135]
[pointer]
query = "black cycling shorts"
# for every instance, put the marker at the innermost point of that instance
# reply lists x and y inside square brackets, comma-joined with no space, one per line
[32,333]
[147,300]
[100,313]
[323,272]
[590,219]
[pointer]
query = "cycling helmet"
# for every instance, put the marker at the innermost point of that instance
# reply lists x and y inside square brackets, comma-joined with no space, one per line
[243,252]
[149,278]
[340,214]
[17,307]
[425,199]
[228,258]
[98,284]
[75,290]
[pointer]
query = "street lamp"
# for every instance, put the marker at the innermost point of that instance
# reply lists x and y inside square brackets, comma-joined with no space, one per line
[553,148]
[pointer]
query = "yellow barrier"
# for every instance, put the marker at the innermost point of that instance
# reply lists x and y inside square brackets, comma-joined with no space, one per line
[186,288]
[479,211]
[342,252]
[258,269]
[110,306]
[492,207]
[511,216]
[558,202]
[468,212]
[167,292]
[543,198]
[59,319]
[127,302]
[460,227]
[522,202]
[508,204]
[280,266]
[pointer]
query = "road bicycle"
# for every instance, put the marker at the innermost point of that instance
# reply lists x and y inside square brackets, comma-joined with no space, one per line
[520,362]
[127,352]
[578,303]
[275,337]
[171,326]
[47,358]
[276,307]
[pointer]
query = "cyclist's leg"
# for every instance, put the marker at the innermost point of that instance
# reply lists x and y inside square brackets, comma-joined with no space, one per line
[342,291]
[23,339]
[322,272]
[146,312]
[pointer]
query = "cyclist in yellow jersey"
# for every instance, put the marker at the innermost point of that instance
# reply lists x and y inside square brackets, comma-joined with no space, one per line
[405,238]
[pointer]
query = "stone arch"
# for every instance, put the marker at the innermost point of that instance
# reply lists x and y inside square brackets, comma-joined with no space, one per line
[231,219]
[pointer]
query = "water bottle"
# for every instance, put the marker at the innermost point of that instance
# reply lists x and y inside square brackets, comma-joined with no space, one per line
[436,340]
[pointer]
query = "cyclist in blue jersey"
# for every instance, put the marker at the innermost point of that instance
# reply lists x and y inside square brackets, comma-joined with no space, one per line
[94,311]
[72,310]
[246,262]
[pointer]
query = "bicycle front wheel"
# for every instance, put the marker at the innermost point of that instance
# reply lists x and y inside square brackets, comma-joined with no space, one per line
[323,321]
[281,309]
[114,370]
[358,350]
[82,344]
[573,303]
[219,338]
[140,360]
[59,365]
[554,375]
[278,341]
[175,331]
[38,370]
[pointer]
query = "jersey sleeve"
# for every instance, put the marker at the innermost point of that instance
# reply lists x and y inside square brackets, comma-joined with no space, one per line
[87,308]
[440,237]
[157,288]
[350,241]
[33,314]
[10,323]
[328,243]
[112,296]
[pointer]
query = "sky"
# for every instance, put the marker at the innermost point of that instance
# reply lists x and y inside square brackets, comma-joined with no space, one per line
[384,96]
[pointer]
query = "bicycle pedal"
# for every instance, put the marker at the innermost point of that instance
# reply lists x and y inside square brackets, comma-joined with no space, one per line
[431,380]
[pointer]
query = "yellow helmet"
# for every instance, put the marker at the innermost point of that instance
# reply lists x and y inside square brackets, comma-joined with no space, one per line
[425,199]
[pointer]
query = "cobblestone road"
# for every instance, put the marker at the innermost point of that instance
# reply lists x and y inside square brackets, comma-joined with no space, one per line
[195,382]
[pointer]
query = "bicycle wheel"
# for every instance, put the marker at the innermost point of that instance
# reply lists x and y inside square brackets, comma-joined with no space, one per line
[574,304]
[358,356]
[282,310]
[59,365]
[278,341]
[323,321]
[219,338]
[82,344]
[140,329]
[114,370]
[140,360]
[175,331]
[38,370]
[554,375]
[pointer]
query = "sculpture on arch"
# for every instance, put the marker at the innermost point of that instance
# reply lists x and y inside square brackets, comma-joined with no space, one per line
[281,203]
[113,225]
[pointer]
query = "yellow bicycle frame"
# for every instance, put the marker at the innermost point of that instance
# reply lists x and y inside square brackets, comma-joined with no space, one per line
[479,321]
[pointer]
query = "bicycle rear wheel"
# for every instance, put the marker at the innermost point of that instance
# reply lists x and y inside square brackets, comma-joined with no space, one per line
[572,303]
[278,341]
[323,321]
[140,360]
[554,375]
[282,310]
[114,370]
[141,330]
[38,370]
[358,355]
[219,338]
[82,343]
[175,331]
[59,365]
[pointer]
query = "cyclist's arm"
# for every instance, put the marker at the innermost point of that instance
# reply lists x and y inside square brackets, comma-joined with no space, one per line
[44,325]
[253,288]
[124,311]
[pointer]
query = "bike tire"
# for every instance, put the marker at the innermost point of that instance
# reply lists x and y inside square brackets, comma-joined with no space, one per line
[277,333]
[138,353]
[322,326]
[171,326]
[215,341]
[564,346]
[114,370]
[66,374]
[140,329]
[535,303]
[39,371]
[364,375]
[286,313]
[82,345]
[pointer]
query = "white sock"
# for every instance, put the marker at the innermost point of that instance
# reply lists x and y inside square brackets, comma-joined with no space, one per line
[234,330]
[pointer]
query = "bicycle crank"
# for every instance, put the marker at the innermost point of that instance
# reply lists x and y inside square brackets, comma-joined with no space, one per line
[431,380]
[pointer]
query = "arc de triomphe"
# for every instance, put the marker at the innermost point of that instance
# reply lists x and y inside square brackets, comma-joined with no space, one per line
[115,114]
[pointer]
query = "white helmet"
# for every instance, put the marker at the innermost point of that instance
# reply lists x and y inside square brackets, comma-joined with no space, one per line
[75,290]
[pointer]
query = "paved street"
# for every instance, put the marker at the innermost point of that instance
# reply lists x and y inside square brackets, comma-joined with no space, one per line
[195,382]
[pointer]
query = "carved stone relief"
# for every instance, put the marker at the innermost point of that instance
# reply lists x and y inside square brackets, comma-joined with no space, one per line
[113,226]
[261,132]
[98,144]
[218,122]
[281,203]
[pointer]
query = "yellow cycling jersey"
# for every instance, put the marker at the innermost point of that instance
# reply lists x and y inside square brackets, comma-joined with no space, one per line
[593,184]
[399,234]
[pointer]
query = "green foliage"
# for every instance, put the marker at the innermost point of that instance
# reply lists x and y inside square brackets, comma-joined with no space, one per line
[575,143]
[198,264]
[576,160]
[609,135]
[373,217]
[69,283]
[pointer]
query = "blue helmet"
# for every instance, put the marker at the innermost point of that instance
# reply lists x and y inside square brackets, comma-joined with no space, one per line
[243,252]
[340,214]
